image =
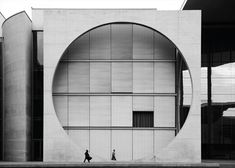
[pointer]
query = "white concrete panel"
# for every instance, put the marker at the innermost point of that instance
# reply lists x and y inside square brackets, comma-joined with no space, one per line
[60,83]
[81,138]
[100,43]
[122,77]
[143,103]
[163,48]
[100,108]
[100,145]
[164,111]
[100,77]
[121,111]
[142,42]
[122,143]
[79,107]
[78,77]
[142,145]
[164,77]
[79,49]
[61,108]
[162,138]
[16,81]
[142,77]
[121,41]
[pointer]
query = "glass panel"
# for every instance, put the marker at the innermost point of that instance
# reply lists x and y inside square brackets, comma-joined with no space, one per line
[61,108]
[78,111]
[164,111]
[121,111]
[143,77]
[79,49]
[142,42]
[164,77]
[121,77]
[121,41]
[100,145]
[100,77]
[60,83]
[100,43]
[78,77]
[162,138]
[142,103]
[100,111]
[122,146]
[163,48]
[142,144]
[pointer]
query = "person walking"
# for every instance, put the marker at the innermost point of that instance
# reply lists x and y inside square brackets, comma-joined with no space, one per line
[113,155]
[87,156]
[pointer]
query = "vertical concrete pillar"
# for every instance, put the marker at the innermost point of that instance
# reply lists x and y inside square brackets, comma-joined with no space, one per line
[17,35]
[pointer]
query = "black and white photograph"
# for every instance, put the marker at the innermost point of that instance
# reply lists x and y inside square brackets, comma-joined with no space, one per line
[117,83]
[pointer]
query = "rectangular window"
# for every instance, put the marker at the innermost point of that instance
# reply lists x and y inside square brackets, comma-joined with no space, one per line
[142,118]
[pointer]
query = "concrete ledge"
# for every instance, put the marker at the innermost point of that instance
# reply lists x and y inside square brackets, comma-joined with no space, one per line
[107,165]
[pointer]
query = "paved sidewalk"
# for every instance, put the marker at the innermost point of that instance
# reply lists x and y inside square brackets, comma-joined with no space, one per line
[106,165]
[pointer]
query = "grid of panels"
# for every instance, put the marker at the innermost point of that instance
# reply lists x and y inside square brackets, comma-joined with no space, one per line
[107,74]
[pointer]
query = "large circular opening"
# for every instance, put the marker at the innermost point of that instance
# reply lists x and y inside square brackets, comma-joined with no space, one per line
[122,86]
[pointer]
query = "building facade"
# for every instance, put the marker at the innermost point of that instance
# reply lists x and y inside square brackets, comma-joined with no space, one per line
[217,78]
[100,80]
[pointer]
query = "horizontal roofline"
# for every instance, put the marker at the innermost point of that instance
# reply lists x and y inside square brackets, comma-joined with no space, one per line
[93,8]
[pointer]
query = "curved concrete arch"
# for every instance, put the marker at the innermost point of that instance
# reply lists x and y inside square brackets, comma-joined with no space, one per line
[178,26]
[17,35]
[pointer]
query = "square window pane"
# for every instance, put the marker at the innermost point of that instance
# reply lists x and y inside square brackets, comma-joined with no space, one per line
[100,111]
[142,42]
[164,77]
[164,111]
[121,111]
[79,49]
[121,77]
[143,103]
[121,41]
[143,77]
[79,111]
[78,77]
[163,48]
[100,77]
[100,43]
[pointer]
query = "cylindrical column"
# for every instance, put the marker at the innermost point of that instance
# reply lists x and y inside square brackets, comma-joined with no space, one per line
[17,35]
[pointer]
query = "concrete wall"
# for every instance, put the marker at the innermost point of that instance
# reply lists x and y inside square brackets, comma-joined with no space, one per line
[61,27]
[16,76]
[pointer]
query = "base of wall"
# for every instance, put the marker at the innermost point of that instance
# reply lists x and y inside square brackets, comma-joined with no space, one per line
[107,165]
